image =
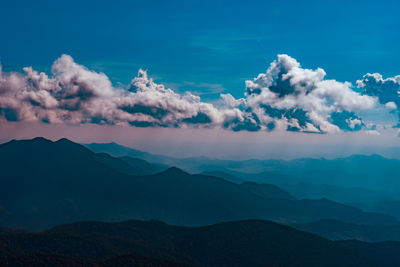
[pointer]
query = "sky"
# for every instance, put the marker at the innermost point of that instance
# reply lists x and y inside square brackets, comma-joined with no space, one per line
[327,68]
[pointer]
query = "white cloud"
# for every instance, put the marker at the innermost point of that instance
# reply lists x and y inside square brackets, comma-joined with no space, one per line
[74,94]
[391,105]
[386,90]
[286,97]
[300,99]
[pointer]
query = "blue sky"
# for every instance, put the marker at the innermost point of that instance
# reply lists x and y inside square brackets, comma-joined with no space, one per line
[205,46]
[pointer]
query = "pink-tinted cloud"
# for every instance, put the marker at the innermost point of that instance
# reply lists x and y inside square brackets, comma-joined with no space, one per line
[286,97]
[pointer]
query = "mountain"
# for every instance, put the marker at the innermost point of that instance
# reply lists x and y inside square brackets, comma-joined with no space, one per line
[365,199]
[120,164]
[263,190]
[132,157]
[267,190]
[383,253]
[41,260]
[365,171]
[240,243]
[390,205]
[366,182]
[338,230]
[225,176]
[370,172]
[45,183]
[340,193]
[117,150]
[8,230]
[144,166]
[373,200]
[192,164]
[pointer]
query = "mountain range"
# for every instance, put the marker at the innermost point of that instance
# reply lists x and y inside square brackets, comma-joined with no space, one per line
[371,172]
[45,183]
[304,169]
[368,182]
[216,218]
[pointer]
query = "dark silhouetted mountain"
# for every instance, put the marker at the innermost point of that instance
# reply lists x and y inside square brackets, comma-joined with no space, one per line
[40,260]
[8,230]
[385,254]
[139,261]
[337,230]
[241,243]
[45,183]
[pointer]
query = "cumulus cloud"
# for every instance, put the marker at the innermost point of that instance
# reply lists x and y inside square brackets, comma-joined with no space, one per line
[297,99]
[391,105]
[286,97]
[386,90]
[75,94]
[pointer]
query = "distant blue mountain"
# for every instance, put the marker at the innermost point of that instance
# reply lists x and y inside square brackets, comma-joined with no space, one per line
[44,183]
[372,172]
[117,150]
[367,182]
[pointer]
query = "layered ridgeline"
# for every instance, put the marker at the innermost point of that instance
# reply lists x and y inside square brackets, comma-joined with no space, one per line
[372,172]
[44,183]
[338,230]
[152,243]
[367,182]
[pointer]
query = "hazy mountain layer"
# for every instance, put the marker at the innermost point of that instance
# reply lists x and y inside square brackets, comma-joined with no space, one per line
[45,183]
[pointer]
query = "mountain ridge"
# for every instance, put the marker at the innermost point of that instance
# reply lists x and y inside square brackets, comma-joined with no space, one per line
[63,182]
[238,243]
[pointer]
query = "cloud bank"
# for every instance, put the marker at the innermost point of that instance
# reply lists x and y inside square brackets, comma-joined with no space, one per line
[74,94]
[286,97]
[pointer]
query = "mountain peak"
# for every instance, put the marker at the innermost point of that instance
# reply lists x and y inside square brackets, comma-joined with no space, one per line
[175,171]
[40,139]
[64,140]
[33,141]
